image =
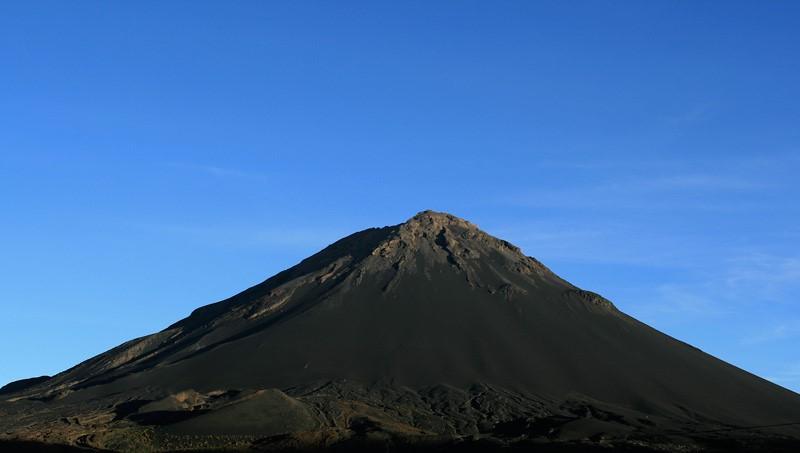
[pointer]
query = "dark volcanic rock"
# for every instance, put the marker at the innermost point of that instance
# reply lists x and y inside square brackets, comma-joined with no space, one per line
[428,334]
[22,384]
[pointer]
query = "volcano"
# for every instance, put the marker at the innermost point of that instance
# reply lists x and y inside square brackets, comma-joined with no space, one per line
[428,334]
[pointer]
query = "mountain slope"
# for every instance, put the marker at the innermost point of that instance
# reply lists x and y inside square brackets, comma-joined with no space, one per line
[431,329]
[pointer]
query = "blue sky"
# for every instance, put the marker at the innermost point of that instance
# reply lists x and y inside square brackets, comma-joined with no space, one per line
[158,156]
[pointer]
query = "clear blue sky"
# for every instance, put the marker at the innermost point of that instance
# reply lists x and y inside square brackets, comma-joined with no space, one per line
[158,156]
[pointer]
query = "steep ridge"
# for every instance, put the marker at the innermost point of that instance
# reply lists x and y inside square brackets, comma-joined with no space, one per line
[431,329]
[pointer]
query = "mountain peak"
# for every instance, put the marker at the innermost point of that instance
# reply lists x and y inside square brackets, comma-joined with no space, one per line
[435,220]
[439,226]
[430,239]
[437,231]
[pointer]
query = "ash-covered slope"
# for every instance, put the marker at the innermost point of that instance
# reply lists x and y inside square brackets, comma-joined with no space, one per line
[426,329]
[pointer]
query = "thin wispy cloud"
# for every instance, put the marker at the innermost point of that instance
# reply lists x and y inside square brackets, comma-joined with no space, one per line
[693,115]
[789,376]
[678,191]
[699,182]
[761,166]
[213,170]
[601,242]
[683,300]
[772,274]
[247,236]
[701,278]
[588,163]
[783,331]
[729,285]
